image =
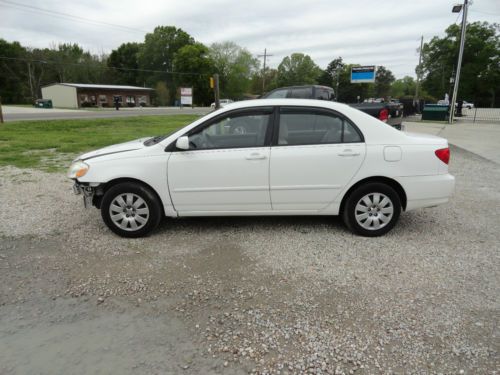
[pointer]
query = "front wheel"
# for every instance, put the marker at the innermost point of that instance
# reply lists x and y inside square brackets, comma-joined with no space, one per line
[131,210]
[372,210]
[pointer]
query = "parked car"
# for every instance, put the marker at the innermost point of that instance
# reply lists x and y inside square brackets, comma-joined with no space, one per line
[467,105]
[302,92]
[222,102]
[443,102]
[392,113]
[303,157]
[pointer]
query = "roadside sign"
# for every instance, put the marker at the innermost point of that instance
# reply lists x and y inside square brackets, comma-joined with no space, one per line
[186,96]
[363,74]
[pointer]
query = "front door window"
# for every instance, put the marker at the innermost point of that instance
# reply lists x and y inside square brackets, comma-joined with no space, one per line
[233,131]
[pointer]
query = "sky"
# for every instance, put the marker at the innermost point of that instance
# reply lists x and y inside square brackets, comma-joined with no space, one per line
[383,32]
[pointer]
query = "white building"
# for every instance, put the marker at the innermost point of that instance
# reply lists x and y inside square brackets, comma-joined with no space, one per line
[77,95]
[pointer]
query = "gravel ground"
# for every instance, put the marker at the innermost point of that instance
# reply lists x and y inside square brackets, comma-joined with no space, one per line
[240,295]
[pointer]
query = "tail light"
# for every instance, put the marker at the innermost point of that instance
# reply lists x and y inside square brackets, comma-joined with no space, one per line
[383,115]
[443,154]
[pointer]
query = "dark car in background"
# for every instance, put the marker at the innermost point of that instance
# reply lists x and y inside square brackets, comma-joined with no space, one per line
[389,112]
[302,92]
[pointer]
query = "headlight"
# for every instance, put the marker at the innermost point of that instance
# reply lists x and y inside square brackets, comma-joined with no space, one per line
[78,169]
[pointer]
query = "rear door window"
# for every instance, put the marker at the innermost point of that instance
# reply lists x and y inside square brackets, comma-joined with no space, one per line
[306,127]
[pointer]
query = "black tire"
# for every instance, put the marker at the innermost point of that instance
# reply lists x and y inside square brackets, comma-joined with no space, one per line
[371,189]
[135,190]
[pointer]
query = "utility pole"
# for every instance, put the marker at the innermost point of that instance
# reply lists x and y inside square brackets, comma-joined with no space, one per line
[459,64]
[337,73]
[265,56]
[1,113]
[31,82]
[416,100]
[216,91]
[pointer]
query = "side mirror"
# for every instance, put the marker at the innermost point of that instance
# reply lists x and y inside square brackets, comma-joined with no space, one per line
[182,143]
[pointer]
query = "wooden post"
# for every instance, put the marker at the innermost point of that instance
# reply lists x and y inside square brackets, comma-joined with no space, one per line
[1,113]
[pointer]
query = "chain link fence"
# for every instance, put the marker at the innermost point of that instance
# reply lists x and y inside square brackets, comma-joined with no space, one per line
[474,114]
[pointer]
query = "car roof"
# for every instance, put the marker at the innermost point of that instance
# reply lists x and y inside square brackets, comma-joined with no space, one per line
[301,86]
[288,102]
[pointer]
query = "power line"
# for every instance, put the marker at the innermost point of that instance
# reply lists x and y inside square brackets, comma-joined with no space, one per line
[72,17]
[106,67]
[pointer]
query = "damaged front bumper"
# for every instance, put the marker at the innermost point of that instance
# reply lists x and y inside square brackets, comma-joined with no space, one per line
[91,193]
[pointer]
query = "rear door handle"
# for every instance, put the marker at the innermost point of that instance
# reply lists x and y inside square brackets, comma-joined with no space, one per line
[348,153]
[255,156]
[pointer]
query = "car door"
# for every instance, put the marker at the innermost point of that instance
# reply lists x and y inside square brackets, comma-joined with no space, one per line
[315,153]
[226,169]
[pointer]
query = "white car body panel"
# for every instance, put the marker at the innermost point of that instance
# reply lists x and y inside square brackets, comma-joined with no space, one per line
[283,180]
[298,179]
[228,180]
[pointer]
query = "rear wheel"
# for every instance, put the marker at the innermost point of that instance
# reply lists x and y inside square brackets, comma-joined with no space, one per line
[130,209]
[372,209]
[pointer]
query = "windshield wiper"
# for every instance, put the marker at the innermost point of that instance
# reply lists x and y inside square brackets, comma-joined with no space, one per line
[156,139]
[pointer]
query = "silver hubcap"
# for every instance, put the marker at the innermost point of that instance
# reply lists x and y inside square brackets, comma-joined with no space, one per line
[374,211]
[129,212]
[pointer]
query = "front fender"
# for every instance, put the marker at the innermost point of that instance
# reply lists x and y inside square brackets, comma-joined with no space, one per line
[150,169]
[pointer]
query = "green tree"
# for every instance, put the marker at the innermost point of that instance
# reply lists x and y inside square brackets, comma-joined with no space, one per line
[42,70]
[271,83]
[235,66]
[383,81]
[162,95]
[195,68]
[158,52]
[66,56]
[330,75]
[13,73]
[403,87]
[480,74]
[123,63]
[297,69]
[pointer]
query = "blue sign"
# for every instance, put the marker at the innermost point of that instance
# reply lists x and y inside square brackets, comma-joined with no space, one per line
[363,74]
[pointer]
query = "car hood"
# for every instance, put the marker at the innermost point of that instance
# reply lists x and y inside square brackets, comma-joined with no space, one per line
[113,149]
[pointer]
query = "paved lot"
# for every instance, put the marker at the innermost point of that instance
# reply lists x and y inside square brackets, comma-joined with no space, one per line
[13,113]
[481,138]
[480,115]
[236,295]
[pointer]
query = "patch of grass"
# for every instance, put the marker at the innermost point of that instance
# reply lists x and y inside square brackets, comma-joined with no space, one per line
[51,145]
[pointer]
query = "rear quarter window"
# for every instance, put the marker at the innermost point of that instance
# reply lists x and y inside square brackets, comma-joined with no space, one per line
[301,93]
[277,94]
[323,94]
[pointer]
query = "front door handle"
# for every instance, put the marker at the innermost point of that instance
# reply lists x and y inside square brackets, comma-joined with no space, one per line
[255,156]
[348,153]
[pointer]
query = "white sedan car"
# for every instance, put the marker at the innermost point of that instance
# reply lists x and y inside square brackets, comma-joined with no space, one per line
[467,105]
[222,102]
[296,157]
